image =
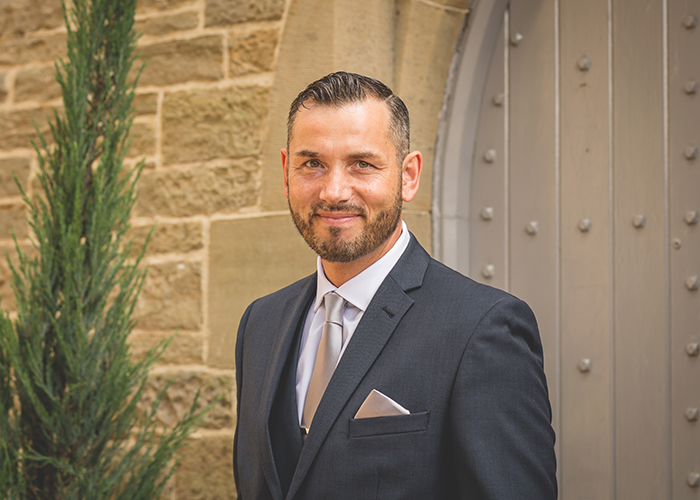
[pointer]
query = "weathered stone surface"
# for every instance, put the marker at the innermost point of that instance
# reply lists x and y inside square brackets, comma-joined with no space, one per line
[17,128]
[4,90]
[19,16]
[9,168]
[183,60]
[249,258]
[252,52]
[143,139]
[420,225]
[145,104]
[205,471]
[181,237]
[222,12]
[7,295]
[13,218]
[184,348]
[428,36]
[184,384]
[459,4]
[205,124]
[164,25]
[171,297]
[198,190]
[156,5]
[20,50]
[36,84]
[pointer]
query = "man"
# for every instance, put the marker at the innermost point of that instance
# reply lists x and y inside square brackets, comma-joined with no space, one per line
[385,374]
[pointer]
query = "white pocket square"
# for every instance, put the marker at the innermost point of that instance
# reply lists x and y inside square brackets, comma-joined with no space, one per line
[379,405]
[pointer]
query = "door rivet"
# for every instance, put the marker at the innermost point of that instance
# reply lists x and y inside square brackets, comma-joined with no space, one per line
[488,271]
[516,38]
[691,87]
[499,99]
[692,414]
[690,22]
[691,217]
[532,227]
[692,349]
[487,213]
[584,225]
[584,365]
[691,283]
[690,152]
[639,221]
[584,64]
[677,243]
[693,479]
[490,155]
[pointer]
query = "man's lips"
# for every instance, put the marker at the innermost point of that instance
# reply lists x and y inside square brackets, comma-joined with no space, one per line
[336,218]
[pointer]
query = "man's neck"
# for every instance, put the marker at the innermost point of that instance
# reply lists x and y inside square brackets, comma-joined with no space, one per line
[341,272]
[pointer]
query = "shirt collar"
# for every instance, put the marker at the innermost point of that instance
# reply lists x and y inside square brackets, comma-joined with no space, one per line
[360,290]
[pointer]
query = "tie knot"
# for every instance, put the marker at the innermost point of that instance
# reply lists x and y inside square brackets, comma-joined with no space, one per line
[334,308]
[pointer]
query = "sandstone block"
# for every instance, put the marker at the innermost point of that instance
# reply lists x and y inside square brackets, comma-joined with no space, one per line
[13,218]
[184,348]
[222,12]
[21,50]
[198,190]
[252,52]
[36,84]
[182,60]
[181,237]
[143,139]
[156,5]
[205,471]
[17,128]
[145,104]
[249,258]
[19,16]
[171,297]
[9,168]
[184,384]
[4,89]
[420,224]
[167,24]
[204,124]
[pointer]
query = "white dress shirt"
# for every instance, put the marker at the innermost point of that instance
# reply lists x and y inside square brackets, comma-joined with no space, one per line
[358,293]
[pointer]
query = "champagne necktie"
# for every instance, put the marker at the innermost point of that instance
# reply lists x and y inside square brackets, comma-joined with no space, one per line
[326,356]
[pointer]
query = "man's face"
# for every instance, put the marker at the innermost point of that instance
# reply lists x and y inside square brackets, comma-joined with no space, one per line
[342,179]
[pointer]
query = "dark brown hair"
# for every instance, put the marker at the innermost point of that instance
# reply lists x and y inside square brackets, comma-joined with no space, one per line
[341,88]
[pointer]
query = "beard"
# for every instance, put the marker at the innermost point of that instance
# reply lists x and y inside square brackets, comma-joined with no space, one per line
[374,231]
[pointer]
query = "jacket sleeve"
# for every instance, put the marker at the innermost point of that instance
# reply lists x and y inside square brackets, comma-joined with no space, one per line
[500,414]
[239,385]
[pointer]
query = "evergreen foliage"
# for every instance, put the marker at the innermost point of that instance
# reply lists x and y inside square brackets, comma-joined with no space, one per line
[70,425]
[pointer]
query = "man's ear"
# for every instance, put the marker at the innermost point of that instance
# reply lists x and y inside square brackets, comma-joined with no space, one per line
[285,170]
[412,168]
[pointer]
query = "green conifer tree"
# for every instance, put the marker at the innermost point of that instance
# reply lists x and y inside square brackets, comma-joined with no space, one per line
[70,425]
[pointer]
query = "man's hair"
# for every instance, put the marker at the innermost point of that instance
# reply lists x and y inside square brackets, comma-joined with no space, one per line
[341,88]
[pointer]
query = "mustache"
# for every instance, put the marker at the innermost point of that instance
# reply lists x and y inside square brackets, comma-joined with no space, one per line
[341,207]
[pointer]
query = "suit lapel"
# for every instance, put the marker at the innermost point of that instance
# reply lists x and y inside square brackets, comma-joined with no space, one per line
[378,323]
[291,320]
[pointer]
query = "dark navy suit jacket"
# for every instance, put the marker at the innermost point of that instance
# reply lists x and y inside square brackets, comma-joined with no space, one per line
[464,358]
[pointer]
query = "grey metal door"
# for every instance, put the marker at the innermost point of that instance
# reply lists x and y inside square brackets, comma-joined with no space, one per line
[579,190]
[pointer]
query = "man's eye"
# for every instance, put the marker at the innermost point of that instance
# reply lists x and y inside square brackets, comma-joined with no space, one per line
[313,163]
[363,164]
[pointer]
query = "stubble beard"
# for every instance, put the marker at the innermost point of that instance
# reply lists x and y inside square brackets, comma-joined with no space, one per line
[335,249]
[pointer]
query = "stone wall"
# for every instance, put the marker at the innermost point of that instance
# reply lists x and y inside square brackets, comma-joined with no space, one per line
[210,115]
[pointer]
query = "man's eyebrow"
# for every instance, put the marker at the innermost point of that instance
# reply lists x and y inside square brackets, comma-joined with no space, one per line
[306,153]
[369,155]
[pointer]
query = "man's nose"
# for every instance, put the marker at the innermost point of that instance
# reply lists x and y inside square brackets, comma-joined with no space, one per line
[336,186]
